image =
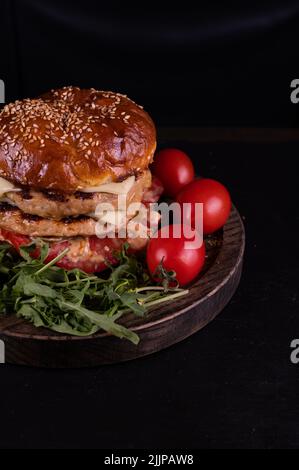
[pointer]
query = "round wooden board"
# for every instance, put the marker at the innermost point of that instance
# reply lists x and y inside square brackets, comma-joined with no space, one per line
[164,325]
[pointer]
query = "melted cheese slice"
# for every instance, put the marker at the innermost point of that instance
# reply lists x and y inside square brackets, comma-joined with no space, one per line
[6,187]
[112,188]
[116,218]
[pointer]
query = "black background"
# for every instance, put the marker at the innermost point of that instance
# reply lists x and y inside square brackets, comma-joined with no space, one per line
[232,385]
[212,63]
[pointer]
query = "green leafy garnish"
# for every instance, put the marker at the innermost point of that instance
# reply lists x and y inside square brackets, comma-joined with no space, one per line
[73,302]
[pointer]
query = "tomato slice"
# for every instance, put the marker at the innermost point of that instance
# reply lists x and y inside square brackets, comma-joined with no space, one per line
[15,239]
[97,252]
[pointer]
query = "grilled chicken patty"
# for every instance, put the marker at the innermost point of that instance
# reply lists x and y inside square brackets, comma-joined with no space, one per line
[57,206]
[13,219]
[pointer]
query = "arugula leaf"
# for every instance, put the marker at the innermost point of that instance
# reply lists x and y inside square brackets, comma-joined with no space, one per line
[73,302]
[35,288]
[31,314]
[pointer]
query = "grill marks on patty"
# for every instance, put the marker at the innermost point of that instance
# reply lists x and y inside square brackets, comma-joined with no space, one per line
[14,220]
[8,212]
[83,196]
[40,214]
[5,207]
[57,206]
[79,218]
[25,194]
[54,196]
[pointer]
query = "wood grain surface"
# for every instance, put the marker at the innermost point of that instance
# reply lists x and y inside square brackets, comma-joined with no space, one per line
[163,326]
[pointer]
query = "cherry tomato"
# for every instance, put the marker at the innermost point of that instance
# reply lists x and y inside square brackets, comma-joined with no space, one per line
[174,169]
[216,202]
[187,262]
[17,240]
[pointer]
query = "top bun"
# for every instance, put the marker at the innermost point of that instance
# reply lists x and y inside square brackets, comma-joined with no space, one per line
[71,139]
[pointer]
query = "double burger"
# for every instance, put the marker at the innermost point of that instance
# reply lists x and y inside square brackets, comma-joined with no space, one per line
[62,156]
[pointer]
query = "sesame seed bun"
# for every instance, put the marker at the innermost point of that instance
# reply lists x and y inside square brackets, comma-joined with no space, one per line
[71,139]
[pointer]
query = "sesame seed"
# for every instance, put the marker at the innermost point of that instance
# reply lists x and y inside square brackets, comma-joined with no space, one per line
[61,120]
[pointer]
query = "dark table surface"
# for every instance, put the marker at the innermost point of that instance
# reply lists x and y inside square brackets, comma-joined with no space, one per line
[232,385]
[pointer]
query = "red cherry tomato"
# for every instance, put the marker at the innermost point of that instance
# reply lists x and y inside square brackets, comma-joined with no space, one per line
[216,203]
[187,262]
[174,169]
